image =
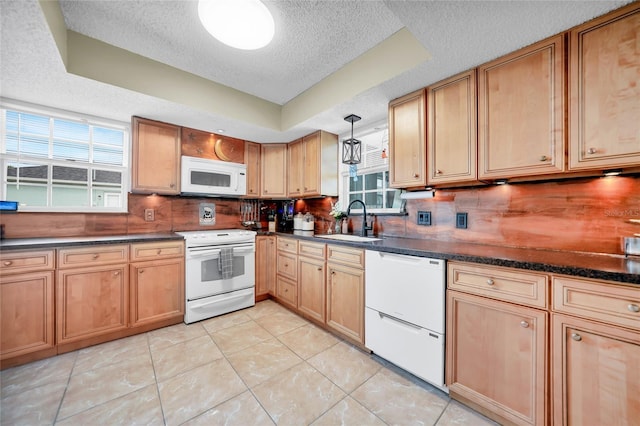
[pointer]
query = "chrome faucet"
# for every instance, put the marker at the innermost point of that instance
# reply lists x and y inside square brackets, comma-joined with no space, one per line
[365,227]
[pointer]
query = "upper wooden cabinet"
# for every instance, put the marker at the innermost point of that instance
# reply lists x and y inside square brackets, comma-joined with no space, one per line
[605,100]
[407,141]
[451,130]
[274,170]
[197,143]
[252,159]
[155,163]
[313,165]
[521,120]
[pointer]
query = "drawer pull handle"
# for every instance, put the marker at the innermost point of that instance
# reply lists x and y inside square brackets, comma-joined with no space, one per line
[633,307]
[8,263]
[438,172]
[416,175]
[490,282]
[95,256]
[319,269]
[576,337]
[159,251]
[524,324]
[116,273]
[592,150]
[543,158]
[141,271]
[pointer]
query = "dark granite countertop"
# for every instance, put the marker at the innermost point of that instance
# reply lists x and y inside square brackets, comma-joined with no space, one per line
[588,265]
[56,242]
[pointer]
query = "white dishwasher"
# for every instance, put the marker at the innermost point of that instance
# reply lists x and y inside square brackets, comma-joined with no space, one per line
[404,312]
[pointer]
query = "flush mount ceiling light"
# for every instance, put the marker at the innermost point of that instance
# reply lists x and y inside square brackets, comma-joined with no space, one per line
[351,148]
[243,24]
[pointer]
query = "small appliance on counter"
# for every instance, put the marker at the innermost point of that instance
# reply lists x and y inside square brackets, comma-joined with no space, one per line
[308,222]
[285,217]
[297,221]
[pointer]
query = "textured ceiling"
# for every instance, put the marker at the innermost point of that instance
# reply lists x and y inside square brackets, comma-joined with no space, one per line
[313,40]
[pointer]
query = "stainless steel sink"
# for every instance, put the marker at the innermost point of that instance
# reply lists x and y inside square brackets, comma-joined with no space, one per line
[348,237]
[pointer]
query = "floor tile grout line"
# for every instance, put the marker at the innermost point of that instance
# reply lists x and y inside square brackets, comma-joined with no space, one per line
[66,387]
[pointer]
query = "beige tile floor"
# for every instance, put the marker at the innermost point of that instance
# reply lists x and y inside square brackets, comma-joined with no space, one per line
[259,366]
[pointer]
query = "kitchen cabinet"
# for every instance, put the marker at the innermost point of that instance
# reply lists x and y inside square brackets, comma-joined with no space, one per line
[273,170]
[197,143]
[407,141]
[345,291]
[92,292]
[605,101]
[155,163]
[451,130]
[157,282]
[311,285]
[596,352]
[26,306]
[313,166]
[265,266]
[521,112]
[287,271]
[496,346]
[252,159]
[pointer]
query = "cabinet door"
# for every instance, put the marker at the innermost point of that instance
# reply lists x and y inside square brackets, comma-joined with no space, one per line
[157,291]
[311,287]
[26,313]
[407,141]
[596,373]
[451,130]
[155,165]
[91,301]
[497,356]
[274,170]
[605,100]
[252,160]
[521,129]
[265,265]
[287,291]
[295,154]
[311,166]
[345,301]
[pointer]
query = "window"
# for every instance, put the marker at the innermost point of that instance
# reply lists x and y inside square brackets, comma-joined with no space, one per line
[369,181]
[63,163]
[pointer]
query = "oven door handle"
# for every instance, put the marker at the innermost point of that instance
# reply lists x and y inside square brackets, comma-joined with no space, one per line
[193,254]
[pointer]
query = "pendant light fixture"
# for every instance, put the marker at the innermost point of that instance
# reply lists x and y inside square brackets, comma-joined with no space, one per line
[351,148]
[243,24]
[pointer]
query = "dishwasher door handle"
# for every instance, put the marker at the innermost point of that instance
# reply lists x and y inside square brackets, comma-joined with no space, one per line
[398,321]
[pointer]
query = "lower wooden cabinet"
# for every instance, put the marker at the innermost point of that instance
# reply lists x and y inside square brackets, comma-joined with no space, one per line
[287,291]
[596,373]
[497,356]
[311,287]
[265,266]
[157,291]
[26,315]
[345,300]
[91,301]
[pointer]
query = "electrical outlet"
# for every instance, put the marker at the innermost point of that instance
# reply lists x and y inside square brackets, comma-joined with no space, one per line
[461,220]
[149,215]
[424,218]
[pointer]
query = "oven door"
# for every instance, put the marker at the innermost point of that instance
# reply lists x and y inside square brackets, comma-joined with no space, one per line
[204,272]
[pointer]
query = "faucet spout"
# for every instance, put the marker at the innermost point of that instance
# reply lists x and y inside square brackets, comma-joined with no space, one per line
[365,227]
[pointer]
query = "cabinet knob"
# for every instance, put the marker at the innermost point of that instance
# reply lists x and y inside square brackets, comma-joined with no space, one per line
[297,189]
[438,172]
[172,185]
[141,271]
[415,175]
[286,265]
[633,307]
[319,269]
[576,337]
[305,188]
[251,190]
[592,151]
[266,191]
[95,256]
[544,158]
[524,324]
[333,272]
[7,263]
[490,282]
[116,273]
[159,251]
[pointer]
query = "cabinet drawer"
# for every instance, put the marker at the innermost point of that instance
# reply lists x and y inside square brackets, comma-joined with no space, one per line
[316,250]
[598,300]
[288,244]
[345,255]
[26,261]
[287,291]
[287,265]
[95,255]
[157,250]
[509,285]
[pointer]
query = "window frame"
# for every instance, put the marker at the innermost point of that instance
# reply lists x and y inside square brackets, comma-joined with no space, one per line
[50,162]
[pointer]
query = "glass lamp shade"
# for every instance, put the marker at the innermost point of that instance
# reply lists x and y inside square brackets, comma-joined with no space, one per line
[351,151]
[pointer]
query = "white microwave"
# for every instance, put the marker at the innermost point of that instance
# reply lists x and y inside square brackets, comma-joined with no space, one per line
[202,176]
